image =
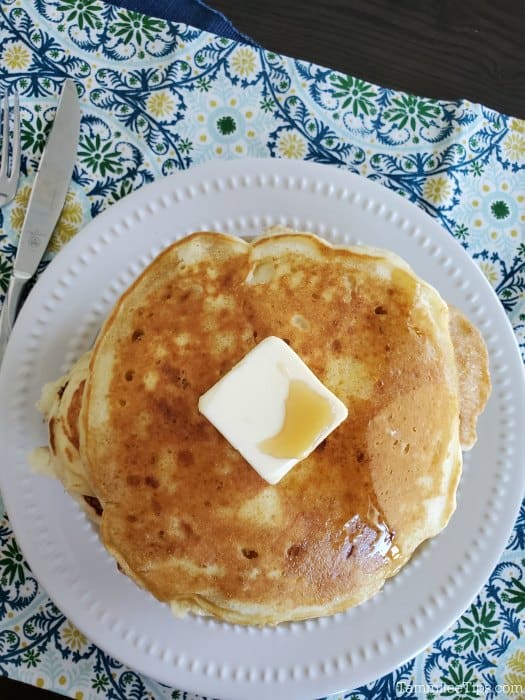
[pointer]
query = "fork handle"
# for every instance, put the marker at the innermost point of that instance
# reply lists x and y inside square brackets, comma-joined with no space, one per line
[10,310]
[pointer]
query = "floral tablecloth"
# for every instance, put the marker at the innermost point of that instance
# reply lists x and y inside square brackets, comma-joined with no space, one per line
[158,97]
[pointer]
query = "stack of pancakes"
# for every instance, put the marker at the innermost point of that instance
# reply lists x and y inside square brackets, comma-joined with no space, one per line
[184,515]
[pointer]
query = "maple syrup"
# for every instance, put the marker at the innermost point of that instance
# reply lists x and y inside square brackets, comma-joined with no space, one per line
[307,413]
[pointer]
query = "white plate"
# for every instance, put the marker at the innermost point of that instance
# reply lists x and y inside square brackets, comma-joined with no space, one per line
[299,660]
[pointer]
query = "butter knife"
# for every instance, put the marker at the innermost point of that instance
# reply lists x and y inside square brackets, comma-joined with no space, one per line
[45,203]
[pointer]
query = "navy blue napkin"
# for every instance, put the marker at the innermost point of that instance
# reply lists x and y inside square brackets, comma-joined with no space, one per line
[193,12]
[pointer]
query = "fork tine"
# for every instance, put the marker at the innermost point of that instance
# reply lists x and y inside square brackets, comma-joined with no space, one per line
[15,162]
[4,156]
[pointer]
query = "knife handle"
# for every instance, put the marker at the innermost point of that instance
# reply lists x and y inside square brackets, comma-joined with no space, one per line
[10,310]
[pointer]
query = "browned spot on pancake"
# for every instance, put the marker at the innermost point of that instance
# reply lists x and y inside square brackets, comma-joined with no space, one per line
[73,413]
[186,528]
[152,481]
[174,375]
[336,345]
[202,430]
[133,480]
[250,553]
[360,456]
[294,551]
[60,392]
[52,439]
[185,458]
[131,518]
[166,410]
[229,279]
[380,310]
[138,334]
[129,375]
[94,503]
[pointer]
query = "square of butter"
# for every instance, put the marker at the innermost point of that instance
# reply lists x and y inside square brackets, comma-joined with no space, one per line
[272,409]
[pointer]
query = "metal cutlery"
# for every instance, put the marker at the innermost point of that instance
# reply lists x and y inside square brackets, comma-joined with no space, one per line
[45,203]
[10,154]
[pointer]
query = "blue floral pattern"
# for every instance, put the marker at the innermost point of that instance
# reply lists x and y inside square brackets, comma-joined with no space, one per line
[158,97]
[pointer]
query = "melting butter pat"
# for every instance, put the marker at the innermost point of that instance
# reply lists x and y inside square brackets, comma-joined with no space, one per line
[272,409]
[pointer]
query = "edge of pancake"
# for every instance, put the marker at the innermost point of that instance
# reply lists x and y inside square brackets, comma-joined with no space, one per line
[472,362]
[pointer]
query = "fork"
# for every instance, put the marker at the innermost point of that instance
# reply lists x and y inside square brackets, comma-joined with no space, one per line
[10,143]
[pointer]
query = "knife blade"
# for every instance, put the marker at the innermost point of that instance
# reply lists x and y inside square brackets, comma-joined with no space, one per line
[45,203]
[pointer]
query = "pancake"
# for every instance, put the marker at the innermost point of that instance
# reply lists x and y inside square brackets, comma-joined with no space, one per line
[472,364]
[60,404]
[182,512]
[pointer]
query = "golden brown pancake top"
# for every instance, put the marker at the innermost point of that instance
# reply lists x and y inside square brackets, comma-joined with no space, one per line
[184,514]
